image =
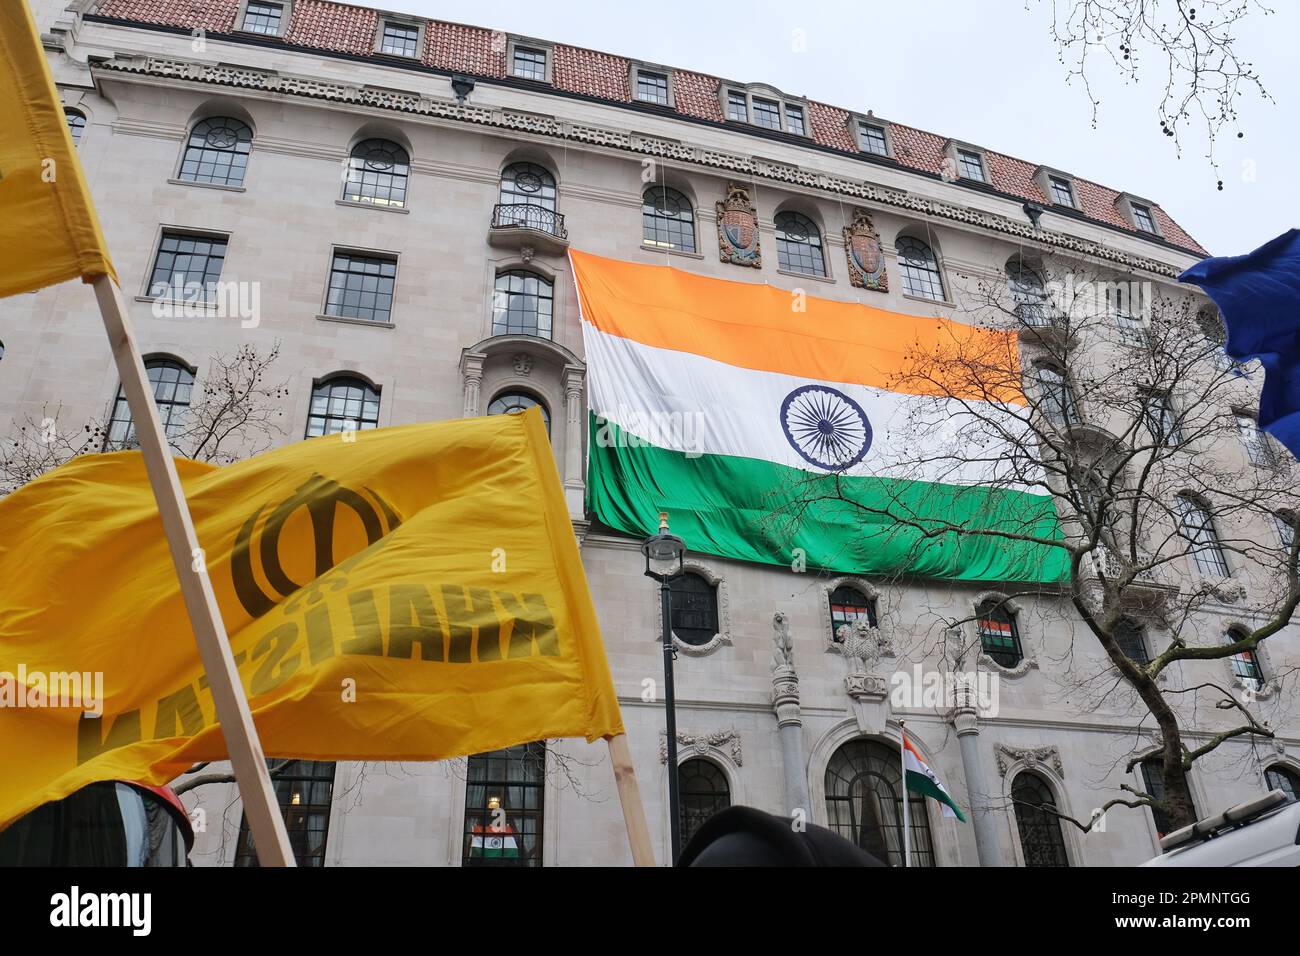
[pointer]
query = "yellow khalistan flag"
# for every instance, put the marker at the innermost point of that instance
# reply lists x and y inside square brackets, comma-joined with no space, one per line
[413,594]
[48,229]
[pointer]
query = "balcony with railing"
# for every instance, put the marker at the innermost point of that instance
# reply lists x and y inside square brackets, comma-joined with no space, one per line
[523,225]
[1039,319]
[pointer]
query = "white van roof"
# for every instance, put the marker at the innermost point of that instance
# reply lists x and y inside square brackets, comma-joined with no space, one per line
[1260,832]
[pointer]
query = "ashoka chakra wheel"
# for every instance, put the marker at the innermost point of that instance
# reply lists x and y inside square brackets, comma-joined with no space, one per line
[826,427]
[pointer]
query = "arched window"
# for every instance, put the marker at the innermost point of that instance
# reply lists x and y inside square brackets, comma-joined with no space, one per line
[849,605]
[1246,664]
[377,173]
[504,804]
[511,403]
[172,384]
[703,791]
[999,634]
[1041,840]
[217,152]
[1278,777]
[919,269]
[864,803]
[1055,396]
[76,124]
[1131,638]
[667,220]
[527,198]
[799,244]
[522,304]
[695,608]
[1196,525]
[304,790]
[1028,294]
[342,404]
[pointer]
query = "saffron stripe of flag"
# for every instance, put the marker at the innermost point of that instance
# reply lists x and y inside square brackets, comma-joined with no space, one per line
[921,779]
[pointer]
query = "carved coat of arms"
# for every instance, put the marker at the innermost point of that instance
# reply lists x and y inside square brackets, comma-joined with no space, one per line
[738,229]
[866,260]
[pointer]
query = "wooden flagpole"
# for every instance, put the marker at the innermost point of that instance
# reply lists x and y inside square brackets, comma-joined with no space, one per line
[638,834]
[264,819]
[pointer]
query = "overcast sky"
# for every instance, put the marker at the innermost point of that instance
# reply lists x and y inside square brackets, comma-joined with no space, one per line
[984,71]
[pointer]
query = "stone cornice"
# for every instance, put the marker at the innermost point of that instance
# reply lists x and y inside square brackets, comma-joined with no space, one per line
[519,121]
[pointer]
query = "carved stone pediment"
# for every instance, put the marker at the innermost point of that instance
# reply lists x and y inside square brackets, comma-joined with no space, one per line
[1031,757]
[699,745]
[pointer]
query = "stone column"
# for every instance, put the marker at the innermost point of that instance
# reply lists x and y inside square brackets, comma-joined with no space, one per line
[785,701]
[966,721]
[574,416]
[471,370]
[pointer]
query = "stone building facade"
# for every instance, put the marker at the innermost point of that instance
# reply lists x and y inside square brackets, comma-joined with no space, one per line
[475,119]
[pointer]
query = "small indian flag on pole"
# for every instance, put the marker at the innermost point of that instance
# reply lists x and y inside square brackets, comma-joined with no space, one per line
[921,779]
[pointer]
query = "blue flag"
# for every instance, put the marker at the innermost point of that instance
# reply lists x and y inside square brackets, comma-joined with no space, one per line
[1259,297]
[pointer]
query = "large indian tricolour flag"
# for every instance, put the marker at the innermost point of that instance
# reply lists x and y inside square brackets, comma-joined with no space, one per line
[738,407]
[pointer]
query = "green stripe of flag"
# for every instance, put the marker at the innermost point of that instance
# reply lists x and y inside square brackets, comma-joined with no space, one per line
[920,783]
[747,509]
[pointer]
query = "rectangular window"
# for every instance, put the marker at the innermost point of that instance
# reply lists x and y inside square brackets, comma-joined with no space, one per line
[794,120]
[361,287]
[1056,396]
[1062,191]
[530,63]
[304,790]
[652,87]
[970,165]
[400,39]
[1142,216]
[737,108]
[504,807]
[1284,522]
[264,18]
[873,139]
[187,268]
[1128,319]
[1153,779]
[767,114]
[1160,419]
[1257,445]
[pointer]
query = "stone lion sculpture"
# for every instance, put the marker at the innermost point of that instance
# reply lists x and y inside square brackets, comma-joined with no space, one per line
[860,646]
[782,643]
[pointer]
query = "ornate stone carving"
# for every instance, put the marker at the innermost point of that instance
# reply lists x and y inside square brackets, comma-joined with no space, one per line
[738,229]
[522,363]
[700,744]
[860,647]
[866,260]
[866,687]
[1031,757]
[785,695]
[782,643]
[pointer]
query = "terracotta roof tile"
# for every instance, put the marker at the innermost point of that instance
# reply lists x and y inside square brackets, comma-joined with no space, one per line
[332,26]
[596,74]
[450,46]
[696,95]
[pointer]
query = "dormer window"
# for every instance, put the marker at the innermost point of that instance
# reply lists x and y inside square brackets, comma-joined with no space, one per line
[794,120]
[970,165]
[767,114]
[1143,219]
[528,63]
[871,139]
[652,87]
[1057,186]
[399,38]
[765,110]
[737,107]
[1062,191]
[265,18]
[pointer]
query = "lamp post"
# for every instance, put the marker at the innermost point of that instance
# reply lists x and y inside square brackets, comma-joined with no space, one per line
[661,551]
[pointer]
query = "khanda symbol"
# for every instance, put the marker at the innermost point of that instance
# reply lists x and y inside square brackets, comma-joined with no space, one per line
[322,497]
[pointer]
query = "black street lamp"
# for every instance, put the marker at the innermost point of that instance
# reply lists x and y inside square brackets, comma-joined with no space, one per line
[662,550]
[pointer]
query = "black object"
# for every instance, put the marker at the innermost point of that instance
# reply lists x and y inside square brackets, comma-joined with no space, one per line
[744,836]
